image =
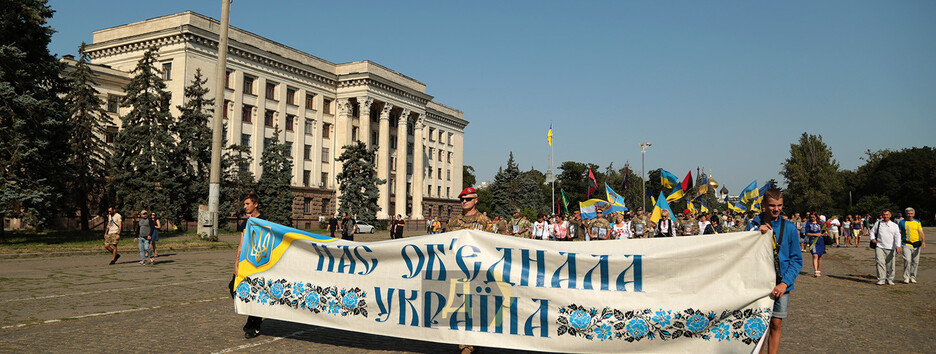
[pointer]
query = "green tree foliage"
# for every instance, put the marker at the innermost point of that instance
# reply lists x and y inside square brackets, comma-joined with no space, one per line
[873,205]
[143,150]
[906,178]
[275,179]
[193,151]
[532,193]
[468,176]
[572,179]
[33,122]
[503,187]
[237,181]
[89,154]
[358,182]
[811,174]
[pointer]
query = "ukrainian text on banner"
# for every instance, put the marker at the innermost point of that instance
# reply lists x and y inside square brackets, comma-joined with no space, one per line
[700,293]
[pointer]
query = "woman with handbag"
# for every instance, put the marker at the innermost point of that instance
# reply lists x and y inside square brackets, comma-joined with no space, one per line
[817,244]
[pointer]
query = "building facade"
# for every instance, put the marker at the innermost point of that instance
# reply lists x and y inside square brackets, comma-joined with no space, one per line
[318,106]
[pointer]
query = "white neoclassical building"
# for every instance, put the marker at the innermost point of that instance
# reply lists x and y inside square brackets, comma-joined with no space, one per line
[319,106]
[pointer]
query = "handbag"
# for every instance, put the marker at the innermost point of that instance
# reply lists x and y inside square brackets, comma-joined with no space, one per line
[827,240]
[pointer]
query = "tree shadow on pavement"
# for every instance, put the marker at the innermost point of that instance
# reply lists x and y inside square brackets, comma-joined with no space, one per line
[858,278]
[364,341]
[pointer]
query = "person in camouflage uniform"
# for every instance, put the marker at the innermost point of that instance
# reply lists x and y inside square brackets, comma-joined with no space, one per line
[687,225]
[518,226]
[640,225]
[470,219]
[599,228]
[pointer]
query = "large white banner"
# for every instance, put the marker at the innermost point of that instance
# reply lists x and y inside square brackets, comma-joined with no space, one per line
[685,294]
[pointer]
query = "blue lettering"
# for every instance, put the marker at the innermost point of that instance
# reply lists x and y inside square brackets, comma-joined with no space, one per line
[638,275]
[384,308]
[505,271]
[543,319]
[460,261]
[540,267]
[323,253]
[570,271]
[602,267]
[413,269]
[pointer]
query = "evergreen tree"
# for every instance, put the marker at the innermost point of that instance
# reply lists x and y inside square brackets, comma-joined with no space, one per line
[358,182]
[143,151]
[811,175]
[237,181]
[503,188]
[529,194]
[88,156]
[194,147]
[468,176]
[33,123]
[275,180]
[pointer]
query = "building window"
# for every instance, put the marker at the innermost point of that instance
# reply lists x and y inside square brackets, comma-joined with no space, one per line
[373,138]
[325,203]
[408,188]
[291,96]
[440,172]
[409,149]
[268,118]
[326,106]
[440,155]
[441,135]
[324,182]
[307,152]
[110,134]
[392,187]
[306,177]
[310,101]
[326,128]
[448,175]
[289,149]
[450,157]
[393,164]
[430,153]
[448,194]
[247,114]
[429,191]
[248,85]
[113,103]
[354,133]
[227,80]
[450,138]
[431,135]
[307,206]
[245,140]
[409,168]
[325,158]
[268,141]
[271,91]
[224,109]
[167,71]
[409,129]
[392,142]
[290,122]
[309,127]
[439,194]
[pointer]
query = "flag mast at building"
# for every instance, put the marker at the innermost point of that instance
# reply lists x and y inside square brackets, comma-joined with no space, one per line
[550,177]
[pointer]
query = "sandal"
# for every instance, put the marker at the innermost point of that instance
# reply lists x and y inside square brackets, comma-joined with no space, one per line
[818,273]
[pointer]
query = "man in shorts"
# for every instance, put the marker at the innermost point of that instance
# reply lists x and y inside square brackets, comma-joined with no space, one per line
[788,260]
[112,233]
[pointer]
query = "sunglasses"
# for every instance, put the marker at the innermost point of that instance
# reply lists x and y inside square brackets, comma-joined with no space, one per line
[466,199]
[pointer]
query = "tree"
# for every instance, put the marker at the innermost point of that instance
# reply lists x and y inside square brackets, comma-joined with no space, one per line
[358,182]
[468,176]
[143,150]
[504,187]
[193,151]
[237,181]
[906,178]
[275,179]
[33,124]
[88,155]
[572,180]
[811,175]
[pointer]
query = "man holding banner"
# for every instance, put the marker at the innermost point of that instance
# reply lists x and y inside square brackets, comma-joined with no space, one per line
[252,210]
[788,260]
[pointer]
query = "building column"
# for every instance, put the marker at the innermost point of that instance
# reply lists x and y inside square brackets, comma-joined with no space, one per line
[418,170]
[458,150]
[401,163]
[342,137]
[364,104]
[383,163]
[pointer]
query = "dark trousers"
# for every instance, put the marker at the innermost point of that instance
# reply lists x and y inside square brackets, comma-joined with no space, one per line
[253,322]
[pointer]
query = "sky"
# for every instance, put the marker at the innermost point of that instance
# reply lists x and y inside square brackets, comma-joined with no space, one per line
[722,85]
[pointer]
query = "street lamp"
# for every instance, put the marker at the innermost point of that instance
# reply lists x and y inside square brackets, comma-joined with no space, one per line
[643,175]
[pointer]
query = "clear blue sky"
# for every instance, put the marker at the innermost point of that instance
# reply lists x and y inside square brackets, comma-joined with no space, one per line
[725,85]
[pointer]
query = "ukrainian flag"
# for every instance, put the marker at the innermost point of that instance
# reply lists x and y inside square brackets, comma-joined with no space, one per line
[703,208]
[549,135]
[675,195]
[750,192]
[658,208]
[668,179]
[616,200]
[737,207]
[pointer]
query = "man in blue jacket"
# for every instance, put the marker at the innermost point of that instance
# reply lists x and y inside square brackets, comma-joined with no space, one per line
[787,259]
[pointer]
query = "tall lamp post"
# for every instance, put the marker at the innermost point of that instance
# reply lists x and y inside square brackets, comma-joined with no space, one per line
[643,173]
[214,178]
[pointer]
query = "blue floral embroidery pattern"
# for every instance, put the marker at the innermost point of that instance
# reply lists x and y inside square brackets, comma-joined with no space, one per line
[301,295]
[746,326]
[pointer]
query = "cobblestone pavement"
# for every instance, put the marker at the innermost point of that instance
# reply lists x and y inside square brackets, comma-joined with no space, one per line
[81,304]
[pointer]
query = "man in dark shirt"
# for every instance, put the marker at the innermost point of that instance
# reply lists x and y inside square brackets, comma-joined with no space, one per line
[252,209]
[347,227]
[333,225]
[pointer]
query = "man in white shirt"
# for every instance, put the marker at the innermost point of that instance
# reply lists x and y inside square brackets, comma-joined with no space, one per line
[834,224]
[886,235]
[112,233]
[539,228]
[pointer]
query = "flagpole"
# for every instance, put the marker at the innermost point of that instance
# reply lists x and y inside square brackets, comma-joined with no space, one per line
[551,156]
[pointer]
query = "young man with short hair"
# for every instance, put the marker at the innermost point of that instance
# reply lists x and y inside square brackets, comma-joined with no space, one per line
[112,233]
[252,210]
[788,260]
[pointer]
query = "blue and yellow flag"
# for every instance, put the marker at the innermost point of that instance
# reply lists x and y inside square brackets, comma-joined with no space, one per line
[737,207]
[749,193]
[675,195]
[668,179]
[549,135]
[691,207]
[703,208]
[616,200]
[658,208]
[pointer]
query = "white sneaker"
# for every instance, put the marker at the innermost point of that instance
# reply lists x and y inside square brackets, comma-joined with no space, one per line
[906,281]
[890,282]
[913,280]
[880,282]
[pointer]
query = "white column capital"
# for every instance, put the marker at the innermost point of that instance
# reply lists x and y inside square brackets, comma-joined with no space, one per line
[404,117]
[365,102]
[385,112]
[344,106]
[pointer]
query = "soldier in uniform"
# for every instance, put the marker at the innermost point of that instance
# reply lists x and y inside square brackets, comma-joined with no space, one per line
[688,225]
[576,227]
[518,226]
[599,228]
[470,219]
[640,225]
[501,226]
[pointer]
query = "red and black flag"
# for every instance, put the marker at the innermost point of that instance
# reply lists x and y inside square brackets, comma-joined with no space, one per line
[687,182]
[626,177]
[592,184]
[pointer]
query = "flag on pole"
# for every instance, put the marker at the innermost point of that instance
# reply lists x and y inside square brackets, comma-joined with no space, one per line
[737,207]
[564,200]
[549,135]
[691,207]
[615,200]
[589,207]
[703,208]
[749,193]
[658,208]
[675,195]
[626,177]
[592,184]
[687,182]
[667,179]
